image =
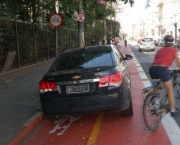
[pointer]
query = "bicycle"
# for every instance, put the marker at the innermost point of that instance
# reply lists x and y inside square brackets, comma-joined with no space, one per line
[155,101]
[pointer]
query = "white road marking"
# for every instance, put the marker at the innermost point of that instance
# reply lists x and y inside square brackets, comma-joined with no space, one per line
[65,126]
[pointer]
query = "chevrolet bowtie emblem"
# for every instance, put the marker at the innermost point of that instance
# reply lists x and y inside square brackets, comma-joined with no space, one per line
[76,77]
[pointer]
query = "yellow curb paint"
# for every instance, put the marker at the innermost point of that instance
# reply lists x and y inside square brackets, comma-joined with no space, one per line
[145,79]
[141,71]
[94,133]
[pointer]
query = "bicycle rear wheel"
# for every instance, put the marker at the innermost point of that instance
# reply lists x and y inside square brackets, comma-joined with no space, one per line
[151,114]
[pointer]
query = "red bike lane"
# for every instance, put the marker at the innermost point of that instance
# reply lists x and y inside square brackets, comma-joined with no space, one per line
[100,129]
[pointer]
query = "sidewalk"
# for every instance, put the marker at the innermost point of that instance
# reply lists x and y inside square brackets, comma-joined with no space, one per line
[19,101]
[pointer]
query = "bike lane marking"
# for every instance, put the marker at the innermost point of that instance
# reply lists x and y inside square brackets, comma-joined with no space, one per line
[64,130]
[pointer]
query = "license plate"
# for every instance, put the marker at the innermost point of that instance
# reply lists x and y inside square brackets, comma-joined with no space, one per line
[77,88]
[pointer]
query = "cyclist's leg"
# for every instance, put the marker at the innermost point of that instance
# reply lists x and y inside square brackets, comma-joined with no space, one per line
[170,94]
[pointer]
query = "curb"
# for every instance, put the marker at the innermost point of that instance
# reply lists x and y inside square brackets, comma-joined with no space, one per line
[29,126]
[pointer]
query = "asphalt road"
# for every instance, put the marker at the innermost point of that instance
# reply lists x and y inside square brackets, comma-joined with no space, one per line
[145,59]
[19,101]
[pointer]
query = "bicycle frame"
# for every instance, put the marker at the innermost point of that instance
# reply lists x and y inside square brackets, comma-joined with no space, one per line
[154,87]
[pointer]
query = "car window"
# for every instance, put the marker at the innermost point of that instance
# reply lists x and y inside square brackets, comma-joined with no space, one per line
[119,55]
[84,59]
[117,59]
[147,39]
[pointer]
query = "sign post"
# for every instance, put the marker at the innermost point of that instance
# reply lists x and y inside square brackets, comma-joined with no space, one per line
[56,21]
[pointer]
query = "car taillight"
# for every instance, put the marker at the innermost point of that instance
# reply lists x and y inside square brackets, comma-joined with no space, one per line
[46,86]
[113,80]
[104,81]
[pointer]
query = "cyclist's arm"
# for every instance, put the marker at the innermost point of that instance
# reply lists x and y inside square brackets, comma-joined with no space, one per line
[177,59]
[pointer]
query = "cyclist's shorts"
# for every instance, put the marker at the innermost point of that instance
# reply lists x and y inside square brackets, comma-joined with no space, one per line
[159,72]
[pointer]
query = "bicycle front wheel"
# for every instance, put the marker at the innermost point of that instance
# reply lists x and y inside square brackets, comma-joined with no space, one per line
[151,114]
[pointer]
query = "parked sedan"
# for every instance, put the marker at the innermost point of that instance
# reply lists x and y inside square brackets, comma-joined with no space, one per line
[147,44]
[87,80]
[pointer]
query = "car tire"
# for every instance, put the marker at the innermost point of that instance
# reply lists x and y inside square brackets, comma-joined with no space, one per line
[153,49]
[129,111]
[140,50]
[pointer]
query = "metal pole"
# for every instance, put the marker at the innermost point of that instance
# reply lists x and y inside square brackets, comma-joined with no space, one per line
[47,39]
[56,42]
[57,11]
[175,26]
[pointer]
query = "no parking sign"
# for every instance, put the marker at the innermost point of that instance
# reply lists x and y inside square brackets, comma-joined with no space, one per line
[80,17]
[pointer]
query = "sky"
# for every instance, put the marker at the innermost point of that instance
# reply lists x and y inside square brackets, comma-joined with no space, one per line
[135,13]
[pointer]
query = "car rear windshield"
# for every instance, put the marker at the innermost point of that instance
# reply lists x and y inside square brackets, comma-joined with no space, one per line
[147,39]
[85,59]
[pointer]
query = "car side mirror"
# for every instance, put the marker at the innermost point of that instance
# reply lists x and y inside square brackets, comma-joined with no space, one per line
[128,57]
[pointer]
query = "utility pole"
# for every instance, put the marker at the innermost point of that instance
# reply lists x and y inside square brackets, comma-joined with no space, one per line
[80,26]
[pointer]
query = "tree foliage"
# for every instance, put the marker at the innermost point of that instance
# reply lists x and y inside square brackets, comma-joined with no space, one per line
[39,10]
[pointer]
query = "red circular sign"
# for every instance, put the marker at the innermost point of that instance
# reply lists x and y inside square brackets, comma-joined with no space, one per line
[56,20]
[80,17]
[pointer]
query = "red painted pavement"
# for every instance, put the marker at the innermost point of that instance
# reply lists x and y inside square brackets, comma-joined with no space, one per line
[114,129]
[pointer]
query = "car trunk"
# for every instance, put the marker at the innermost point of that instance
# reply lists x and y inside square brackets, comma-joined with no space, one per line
[83,83]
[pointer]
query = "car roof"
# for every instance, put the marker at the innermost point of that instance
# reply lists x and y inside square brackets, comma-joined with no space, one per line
[88,48]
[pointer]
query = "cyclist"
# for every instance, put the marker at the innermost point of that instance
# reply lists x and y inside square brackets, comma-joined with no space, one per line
[159,69]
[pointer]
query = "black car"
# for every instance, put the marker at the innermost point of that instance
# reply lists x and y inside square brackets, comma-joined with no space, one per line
[87,80]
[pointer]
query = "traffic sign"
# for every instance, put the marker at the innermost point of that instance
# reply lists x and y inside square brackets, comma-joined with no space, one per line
[80,17]
[56,20]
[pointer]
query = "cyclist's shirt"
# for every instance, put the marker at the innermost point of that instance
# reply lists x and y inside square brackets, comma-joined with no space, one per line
[165,56]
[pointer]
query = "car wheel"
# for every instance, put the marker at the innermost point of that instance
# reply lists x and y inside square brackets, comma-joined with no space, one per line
[129,111]
[153,49]
[140,50]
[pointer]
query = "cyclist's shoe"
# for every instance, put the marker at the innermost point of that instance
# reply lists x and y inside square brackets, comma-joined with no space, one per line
[175,113]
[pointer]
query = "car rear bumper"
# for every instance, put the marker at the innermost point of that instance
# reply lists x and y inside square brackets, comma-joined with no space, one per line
[146,48]
[85,104]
